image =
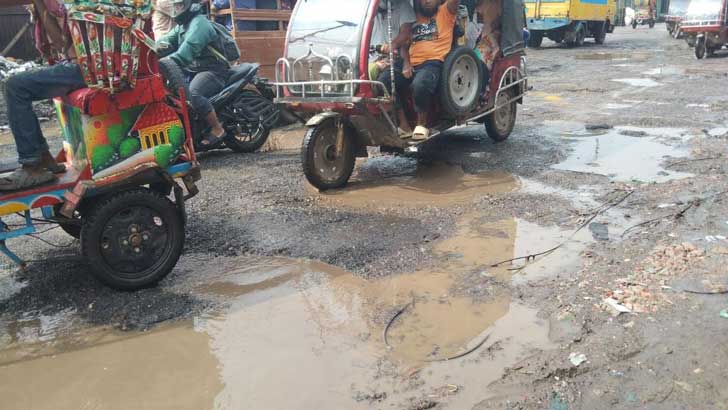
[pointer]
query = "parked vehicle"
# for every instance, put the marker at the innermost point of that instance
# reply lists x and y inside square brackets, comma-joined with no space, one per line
[570,21]
[706,26]
[325,71]
[675,15]
[245,107]
[127,149]
[643,16]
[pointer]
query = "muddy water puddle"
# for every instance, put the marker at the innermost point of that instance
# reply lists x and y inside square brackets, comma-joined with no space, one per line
[381,183]
[623,153]
[302,334]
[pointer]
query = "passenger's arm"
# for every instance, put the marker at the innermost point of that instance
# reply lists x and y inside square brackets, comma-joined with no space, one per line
[404,36]
[452,6]
[407,69]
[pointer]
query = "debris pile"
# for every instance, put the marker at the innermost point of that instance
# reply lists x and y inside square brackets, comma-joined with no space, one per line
[643,290]
[9,66]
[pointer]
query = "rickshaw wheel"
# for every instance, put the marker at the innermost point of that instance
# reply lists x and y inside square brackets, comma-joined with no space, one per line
[132,239]
[460,82]
[700,48]
[634,23]
[499,124]
[536,39]
[652,23]
[601,35]
[324,167]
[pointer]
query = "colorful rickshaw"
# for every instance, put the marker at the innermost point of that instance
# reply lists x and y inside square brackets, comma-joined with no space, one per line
[127,151]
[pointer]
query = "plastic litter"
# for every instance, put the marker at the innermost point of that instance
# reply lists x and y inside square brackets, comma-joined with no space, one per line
[577,358]
[616,306]
[724,313]
[557,403]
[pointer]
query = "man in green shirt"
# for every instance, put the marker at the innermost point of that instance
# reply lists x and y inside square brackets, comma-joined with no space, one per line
[189,45]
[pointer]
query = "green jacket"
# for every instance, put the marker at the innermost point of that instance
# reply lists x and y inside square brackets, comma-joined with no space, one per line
[188,45]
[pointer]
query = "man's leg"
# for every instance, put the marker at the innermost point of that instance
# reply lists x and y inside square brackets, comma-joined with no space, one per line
[203,86]
[424,87]
[20,92]
[401,83]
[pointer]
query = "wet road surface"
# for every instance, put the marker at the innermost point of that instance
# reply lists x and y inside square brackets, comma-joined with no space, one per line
[365,297]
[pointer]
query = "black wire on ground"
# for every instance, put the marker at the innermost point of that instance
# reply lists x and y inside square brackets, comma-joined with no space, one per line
[594,214]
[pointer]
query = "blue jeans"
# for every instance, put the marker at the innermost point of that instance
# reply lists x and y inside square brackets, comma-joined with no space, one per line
[425,82]
[205,85]
[20,92]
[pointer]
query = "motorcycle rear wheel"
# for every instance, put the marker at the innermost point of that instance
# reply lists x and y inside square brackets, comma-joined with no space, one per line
[248,122]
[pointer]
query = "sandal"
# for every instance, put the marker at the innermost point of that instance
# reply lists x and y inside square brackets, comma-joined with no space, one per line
[56,168]
[421,133]
[211,141]
[21,178]
[404,134]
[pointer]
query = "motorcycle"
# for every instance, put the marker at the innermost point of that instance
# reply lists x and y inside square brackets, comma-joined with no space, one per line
[245,107]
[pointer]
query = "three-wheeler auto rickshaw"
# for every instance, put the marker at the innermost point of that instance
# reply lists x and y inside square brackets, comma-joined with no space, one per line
[324,72]
[706,26]
[126,144]
[675,15]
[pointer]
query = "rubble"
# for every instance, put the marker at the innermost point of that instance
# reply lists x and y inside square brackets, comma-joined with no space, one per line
[10,66]
[643,290]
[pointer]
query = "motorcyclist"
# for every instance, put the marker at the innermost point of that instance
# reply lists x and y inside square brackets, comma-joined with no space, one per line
[191,45]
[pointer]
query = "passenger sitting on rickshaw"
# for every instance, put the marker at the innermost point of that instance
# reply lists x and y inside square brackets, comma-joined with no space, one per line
[488,45]
[189,44]
[432,38]
[53,40]
[403,15]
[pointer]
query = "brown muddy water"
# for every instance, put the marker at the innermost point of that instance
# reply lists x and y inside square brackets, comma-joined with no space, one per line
[302,334]
[437,185]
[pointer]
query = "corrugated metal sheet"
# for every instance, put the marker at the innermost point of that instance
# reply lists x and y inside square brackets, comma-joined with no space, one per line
[12,20]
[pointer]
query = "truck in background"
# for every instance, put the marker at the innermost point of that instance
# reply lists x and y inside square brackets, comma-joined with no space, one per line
[569,21]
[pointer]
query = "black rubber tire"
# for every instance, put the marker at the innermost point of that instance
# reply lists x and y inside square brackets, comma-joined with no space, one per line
[251,106]
[700,49]
[652,23]
[580,36]
[601,33]
[173,76]
[311,160]
[497,129]
[453,105]
[634,24]
[96,221]
[536,39]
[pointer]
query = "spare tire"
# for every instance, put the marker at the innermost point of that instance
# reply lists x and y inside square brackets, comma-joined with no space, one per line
[460,83]
[173,76]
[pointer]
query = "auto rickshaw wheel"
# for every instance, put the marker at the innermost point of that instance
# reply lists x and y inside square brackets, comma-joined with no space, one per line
[634,23]
[461,81]
[652,23]
[328,154]
[601,33]
[499,124]
[580,35]
[700,48]
[133,238]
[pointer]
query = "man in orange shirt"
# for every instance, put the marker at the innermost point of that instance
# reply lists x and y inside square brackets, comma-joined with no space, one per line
[432,38]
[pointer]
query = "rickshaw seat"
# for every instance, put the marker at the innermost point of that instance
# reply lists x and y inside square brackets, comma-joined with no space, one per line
[241,71]
[98,101]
